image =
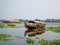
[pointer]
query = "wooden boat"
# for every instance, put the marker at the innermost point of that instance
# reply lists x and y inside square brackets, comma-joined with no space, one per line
[34,25]
[34,28]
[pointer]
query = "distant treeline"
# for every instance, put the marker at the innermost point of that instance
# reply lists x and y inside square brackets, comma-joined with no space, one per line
[46,20]
[49,20]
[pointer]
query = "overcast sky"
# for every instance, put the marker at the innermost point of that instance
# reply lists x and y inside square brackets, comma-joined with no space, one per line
[29,9]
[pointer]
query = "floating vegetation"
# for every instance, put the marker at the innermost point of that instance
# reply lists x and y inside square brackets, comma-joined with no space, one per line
[55,29]
[30,41]
[5,37]
[19,37]
[49,42]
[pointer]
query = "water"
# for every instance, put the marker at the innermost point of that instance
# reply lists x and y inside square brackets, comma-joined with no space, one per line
[13,32]
[52,24]
[49,35]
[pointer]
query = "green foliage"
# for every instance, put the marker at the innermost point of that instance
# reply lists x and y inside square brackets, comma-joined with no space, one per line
[19,37]
[5,37]
[37,19]
[49,20]
[30,41]
[55,29]
[1,25]
[49,42]
[11,24]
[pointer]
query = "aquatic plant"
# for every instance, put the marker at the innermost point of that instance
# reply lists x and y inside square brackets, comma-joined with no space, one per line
[30,41]
[49,42]
[19,37]
[55,29]
[5,37]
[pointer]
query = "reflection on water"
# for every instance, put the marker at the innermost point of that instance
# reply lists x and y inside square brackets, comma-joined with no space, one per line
[49,35]
[13,31]
[21,31]
[33,33]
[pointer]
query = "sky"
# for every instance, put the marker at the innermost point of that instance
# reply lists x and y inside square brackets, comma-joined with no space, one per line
[29,9]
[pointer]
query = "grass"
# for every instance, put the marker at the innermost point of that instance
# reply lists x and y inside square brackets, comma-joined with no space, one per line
[43,42]
[5,37]
[1,25]
[11,25]
[49,42]
[55,29]
[30,41]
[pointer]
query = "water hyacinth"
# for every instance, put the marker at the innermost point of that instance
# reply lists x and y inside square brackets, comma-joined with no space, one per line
[30,41]
[19,37]
[49,42]
[55,29]
[5,37]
